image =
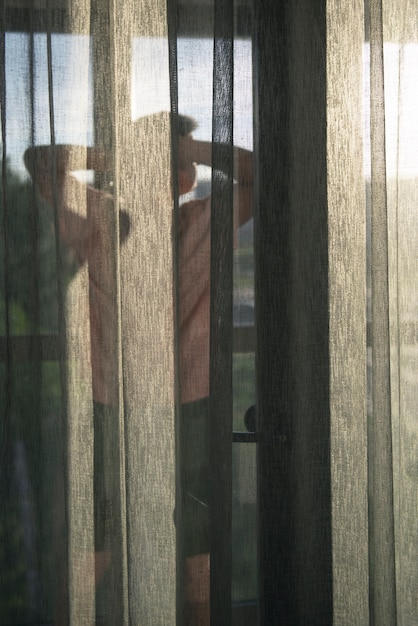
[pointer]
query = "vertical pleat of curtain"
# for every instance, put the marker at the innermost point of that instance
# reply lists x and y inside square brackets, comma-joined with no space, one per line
[147,332]
[393,267]
[347,313]
[372,446]
[381,512]
[221,315]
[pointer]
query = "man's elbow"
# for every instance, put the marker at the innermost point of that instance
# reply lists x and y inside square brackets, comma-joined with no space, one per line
[29,160]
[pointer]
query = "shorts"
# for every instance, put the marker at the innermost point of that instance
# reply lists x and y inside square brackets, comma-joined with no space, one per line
[195,477]
[105,464]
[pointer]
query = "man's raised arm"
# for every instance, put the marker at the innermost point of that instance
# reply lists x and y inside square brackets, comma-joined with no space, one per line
[50,165]
[200,152]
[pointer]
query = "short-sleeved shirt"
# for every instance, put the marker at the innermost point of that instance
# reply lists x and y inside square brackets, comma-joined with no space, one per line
[194,298]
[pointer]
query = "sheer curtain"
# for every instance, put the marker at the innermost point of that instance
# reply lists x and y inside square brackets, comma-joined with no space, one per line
[97,366]
[139,323]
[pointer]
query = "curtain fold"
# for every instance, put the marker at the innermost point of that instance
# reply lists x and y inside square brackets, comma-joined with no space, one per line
[381,511]
[347,304]
[143,189]
[399,34]
[221,265]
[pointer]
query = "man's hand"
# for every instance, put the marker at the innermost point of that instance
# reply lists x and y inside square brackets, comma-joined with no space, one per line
[186,164]
[192,152]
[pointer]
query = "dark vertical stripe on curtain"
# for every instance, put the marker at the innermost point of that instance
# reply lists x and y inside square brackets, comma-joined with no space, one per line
[63,574]
[5,443]
[35,373]
[292,314]
[60,288]
[34,297]
[272,253]
[172,25]
[108,433]
[221,315]
[34,300]
[381,512]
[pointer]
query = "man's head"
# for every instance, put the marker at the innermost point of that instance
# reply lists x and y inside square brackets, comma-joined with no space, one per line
[185,126]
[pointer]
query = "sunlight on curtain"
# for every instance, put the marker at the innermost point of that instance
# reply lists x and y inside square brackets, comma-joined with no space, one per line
[400,55]
[380,540]
[393,314]
[143,178]
[347,285]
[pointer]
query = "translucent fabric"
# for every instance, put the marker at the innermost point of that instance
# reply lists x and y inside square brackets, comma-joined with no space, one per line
[208,312]
[104,394]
